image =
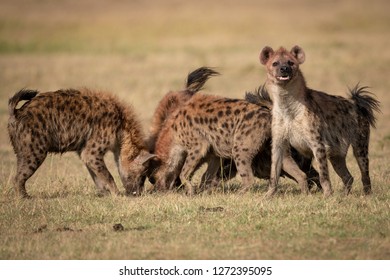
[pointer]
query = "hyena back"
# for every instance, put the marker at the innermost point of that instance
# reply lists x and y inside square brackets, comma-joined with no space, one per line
[86,122]
[174,99]
[315,123]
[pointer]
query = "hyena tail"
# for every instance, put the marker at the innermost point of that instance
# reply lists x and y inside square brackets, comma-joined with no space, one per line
[21,95]
[259,97]
[197,78]
[365,104]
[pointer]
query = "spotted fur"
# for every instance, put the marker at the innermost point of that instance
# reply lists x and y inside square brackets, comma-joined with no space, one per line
[315,123]
[86,122]
[229,128]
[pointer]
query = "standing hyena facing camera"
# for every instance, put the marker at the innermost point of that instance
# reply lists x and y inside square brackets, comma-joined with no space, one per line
[89,123]
[316,123]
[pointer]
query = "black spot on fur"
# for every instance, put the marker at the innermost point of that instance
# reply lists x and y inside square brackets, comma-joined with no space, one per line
[249,116]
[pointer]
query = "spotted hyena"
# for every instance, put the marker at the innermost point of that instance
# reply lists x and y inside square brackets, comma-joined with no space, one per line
[261,164]
[87,122]
[207,124]
[315,123]
[208,128]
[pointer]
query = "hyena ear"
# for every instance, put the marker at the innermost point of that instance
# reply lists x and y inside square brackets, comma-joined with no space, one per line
[265,54]
[144,157]
[298,53]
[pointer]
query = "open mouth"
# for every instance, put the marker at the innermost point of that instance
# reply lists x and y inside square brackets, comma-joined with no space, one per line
[283,78]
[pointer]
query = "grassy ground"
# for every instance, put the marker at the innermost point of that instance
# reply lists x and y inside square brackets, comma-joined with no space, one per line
[139,50]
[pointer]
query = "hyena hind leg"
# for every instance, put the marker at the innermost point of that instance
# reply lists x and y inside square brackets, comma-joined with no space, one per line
[209,177]
[361,155]
[340,167]
[26,167]
[291,167]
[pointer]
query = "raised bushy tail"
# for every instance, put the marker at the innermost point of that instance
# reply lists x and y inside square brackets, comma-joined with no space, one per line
[259,97]
[23,94]
[366,104]
[174,99]
[197,78]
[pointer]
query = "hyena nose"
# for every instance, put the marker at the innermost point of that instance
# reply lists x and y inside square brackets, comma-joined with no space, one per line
[285,70]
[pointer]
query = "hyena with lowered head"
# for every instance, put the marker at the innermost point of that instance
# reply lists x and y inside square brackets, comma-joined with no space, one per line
[174,99]
[215,126]
[87,122]
[315,123]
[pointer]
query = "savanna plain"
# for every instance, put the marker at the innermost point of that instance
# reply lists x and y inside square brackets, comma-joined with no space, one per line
[139,50]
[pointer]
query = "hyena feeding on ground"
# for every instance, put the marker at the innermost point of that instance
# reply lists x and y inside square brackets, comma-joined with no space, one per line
[171,102]
[315,123]
[89,123]
[210,125]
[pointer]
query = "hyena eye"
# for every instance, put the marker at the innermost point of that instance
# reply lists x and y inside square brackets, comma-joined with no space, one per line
[276,63]
[290,63]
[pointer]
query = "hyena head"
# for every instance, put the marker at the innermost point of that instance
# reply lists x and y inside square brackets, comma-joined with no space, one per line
[282,66]
[161,177]
[165,179]
[134,172]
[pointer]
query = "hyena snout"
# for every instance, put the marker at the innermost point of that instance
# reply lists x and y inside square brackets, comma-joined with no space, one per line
[285,71]
[134,175]
[134,185]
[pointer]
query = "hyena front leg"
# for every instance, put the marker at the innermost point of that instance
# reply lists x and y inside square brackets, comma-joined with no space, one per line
[97,168]
[243,161]
[167,175]
[194,156]
[279,148]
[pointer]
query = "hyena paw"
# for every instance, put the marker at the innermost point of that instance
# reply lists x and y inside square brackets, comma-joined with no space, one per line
[270,193]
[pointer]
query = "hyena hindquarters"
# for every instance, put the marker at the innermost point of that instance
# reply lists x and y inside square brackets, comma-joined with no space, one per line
[229,128]
[83,121]
[316,123]
[347,123]
[174,99]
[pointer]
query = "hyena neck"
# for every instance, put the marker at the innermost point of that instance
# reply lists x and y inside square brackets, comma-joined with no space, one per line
[289,98]
[164,142]
[131,142]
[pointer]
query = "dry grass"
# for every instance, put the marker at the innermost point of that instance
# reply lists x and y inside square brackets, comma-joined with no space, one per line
[141,50]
